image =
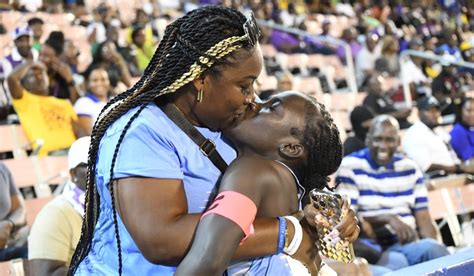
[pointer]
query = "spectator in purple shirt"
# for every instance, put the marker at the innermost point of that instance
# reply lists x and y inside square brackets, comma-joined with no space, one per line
[21,52]
[349,35]
[462,134]
[284,42]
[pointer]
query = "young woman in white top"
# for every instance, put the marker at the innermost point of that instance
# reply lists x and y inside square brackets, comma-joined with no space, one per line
[89,106]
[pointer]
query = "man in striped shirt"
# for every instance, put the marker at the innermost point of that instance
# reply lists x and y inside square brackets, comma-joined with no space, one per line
[387,190]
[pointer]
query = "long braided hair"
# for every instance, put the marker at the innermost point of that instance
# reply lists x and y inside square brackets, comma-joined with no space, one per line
[192,46]
[321,138]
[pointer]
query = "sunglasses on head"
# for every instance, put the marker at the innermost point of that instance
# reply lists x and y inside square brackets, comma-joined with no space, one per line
[251,29]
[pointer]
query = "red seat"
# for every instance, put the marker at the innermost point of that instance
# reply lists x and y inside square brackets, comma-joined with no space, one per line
[462,199]
[309,85]
[315,61]
[38,172]
[6,268]
[448,203]
[297,61]
[13,138]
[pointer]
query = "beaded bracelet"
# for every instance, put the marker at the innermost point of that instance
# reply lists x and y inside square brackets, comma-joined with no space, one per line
[281,235]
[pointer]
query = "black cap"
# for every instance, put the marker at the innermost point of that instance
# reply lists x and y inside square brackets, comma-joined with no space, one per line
[35,20]
[427,103]
[359,115]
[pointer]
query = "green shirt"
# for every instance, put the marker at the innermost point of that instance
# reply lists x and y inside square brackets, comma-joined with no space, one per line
[143,55]
[37,46]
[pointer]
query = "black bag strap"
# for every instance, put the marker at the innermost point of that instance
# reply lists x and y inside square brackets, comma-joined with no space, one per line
[207,146]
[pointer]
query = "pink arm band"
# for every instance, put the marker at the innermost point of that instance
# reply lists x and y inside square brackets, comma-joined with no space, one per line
[236,207]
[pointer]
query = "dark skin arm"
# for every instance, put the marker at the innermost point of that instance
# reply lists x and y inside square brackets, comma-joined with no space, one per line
[404,232]
[360,267]
[438,167]
[14,80]
[15,219]
[348,227]
[366,228]
[426,226]
[126,78]
[65,72]
[18,211]
[465,168]
[78,129]
[86,123]
[91,38]
[402,113]
[43,267]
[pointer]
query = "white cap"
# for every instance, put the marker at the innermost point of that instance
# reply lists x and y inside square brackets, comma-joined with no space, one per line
[78,152]
[21,31]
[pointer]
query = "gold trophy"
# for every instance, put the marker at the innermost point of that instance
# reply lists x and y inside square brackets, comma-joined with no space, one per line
[329,205]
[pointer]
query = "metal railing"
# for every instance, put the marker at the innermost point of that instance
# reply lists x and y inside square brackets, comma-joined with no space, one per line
[351,80]
[404,57]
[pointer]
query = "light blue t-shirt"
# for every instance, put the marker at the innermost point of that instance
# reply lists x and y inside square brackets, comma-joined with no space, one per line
[153,147]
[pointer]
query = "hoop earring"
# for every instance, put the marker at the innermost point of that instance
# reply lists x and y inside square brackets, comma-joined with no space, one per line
[200,96]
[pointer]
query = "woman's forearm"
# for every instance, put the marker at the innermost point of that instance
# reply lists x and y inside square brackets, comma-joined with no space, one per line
[263,242]
[208,255]
[176,239]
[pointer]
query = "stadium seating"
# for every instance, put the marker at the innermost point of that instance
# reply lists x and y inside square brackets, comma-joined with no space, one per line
[448,203]
[12,268]
[13,139]
[38,172]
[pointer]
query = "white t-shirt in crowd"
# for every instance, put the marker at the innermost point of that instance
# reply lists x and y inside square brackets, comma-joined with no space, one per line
[89,106]
[412,73]
[100,34]
[427,147]
[365,60]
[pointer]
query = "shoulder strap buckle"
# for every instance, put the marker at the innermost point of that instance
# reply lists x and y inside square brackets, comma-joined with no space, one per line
[207,147]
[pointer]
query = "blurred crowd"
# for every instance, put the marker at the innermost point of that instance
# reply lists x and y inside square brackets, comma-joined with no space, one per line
[62,60]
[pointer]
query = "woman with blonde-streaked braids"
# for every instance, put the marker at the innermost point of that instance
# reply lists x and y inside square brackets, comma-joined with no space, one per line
[148,181]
